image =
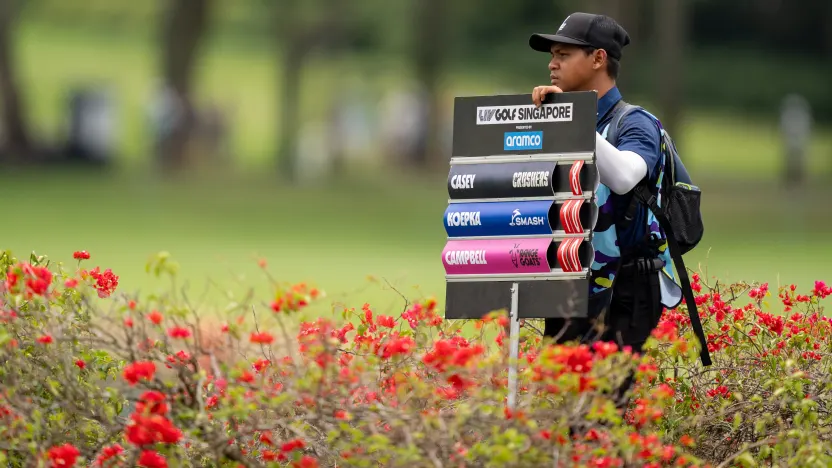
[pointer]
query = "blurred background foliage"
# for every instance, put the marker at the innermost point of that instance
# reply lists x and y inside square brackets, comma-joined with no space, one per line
[317,133]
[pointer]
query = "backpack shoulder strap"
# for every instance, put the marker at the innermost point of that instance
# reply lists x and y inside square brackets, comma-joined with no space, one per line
[619,111]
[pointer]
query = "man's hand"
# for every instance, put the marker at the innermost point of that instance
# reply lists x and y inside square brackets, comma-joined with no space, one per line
[539,93]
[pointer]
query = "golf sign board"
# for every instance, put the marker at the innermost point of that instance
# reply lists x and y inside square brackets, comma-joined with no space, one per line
[521,206]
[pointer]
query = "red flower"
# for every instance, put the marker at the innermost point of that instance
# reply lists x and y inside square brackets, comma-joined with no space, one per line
[105,283]
[45,339]
[152,402]
[81,255]
[179,332]
[262,338]
[306,462]
[720,390]
[663,391]
[80,363]
[277,305]
[341,333]
[266,438]
[5,316]
[39,283]
[398,345]
[151,429]
[666,330]
[155,317]
[261,364]
[759,293]
[143,369]
[64,455]
[386,321]
[292,445]
[821,290]
[455,351]
[604,349]
[212,401]
[151,459]
[71,283]
[604,462]
[36,279]
[108,453]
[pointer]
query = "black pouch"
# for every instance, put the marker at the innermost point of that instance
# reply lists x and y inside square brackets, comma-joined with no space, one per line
[682,210]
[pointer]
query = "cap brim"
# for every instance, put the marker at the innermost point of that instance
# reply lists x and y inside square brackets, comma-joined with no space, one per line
[543,42]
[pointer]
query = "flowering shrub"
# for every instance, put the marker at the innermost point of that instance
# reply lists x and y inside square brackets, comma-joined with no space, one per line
[96,378]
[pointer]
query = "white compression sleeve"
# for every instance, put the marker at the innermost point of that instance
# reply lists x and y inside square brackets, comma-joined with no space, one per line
[618,170]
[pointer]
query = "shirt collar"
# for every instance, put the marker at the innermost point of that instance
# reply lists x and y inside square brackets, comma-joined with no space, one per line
[606,102]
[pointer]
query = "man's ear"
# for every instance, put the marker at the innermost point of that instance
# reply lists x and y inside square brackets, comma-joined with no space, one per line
[599,59]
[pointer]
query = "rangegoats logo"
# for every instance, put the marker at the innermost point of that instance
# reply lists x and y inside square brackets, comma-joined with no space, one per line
[524,257]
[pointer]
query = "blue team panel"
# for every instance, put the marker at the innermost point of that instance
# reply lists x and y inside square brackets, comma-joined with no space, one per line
[486,219]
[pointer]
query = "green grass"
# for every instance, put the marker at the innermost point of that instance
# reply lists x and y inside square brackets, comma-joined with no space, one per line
[334,237]
[739,147]
[219,229]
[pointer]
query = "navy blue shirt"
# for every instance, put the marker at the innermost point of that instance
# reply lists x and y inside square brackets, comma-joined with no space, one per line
[639,133]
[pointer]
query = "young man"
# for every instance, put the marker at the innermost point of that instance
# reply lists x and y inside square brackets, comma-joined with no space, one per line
[628,288]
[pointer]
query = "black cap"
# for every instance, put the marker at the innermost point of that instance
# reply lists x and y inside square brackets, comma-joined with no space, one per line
[585,29]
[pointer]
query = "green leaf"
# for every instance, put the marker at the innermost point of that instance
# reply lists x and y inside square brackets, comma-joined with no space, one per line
[737,420]
[760,426]
[361,329]
[746,460]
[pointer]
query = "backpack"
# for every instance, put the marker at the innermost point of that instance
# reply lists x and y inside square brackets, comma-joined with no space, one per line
[679,215]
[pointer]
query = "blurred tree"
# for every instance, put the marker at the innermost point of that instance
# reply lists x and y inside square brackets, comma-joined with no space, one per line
[289,32]
[431,21]
[14,136]
[183,32]
[301,28]
[671,29]
[826,19]
[627,13]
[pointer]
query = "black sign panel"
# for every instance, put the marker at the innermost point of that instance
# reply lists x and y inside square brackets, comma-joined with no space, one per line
[536,299]
[501,180]
[511,129]
[512,124]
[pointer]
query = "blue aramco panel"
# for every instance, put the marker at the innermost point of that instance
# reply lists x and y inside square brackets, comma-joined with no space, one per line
[504,218]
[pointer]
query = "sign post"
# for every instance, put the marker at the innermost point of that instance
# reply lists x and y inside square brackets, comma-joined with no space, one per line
[514,346]
[521,210]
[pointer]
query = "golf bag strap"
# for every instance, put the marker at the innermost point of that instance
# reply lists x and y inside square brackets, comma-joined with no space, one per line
[650,200]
